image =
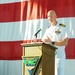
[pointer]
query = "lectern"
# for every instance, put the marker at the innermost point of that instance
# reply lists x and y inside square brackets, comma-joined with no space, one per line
[38,59]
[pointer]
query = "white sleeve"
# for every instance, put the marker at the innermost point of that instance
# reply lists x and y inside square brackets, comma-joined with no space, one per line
[64,33]
[45,35]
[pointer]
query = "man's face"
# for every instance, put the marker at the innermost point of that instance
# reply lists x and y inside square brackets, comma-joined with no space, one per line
[51,16]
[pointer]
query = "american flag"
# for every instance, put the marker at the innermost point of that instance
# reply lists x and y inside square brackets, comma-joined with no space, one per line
[20,20]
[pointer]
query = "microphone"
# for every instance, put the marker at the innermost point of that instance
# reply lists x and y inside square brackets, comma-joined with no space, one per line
[37,32]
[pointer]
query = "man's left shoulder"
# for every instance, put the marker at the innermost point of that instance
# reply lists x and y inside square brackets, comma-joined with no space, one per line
[62,25]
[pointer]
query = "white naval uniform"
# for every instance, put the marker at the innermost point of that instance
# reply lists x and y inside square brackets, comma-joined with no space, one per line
[50,32]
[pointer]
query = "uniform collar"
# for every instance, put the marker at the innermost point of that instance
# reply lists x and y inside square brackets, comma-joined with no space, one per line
[55,25]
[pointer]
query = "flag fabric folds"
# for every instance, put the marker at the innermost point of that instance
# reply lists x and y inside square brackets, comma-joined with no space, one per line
[20,19]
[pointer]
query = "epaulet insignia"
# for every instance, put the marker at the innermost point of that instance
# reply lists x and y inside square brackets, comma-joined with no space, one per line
[63,25]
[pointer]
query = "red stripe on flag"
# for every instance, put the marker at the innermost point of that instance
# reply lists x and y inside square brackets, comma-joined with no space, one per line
[70,49]
[10,50]
[13,50]
[35,9]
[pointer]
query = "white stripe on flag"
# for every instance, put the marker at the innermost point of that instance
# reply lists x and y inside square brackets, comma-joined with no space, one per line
[11,1]
[24,30]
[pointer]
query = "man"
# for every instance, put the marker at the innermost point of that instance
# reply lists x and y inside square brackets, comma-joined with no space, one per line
[56,34]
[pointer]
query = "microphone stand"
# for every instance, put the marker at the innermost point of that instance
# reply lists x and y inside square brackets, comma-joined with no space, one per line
[35,36]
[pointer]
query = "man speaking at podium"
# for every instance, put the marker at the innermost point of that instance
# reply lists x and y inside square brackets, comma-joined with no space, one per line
[56,34]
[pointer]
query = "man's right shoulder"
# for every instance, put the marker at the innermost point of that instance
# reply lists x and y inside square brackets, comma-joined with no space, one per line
[47,30]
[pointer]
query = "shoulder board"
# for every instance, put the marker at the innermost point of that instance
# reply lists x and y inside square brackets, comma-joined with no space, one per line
[63,25]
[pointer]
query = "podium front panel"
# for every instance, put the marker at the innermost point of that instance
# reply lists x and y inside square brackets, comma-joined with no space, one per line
[32,51]
[46,52]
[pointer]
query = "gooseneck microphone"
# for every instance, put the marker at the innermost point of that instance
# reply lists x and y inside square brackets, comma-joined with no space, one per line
[37,32]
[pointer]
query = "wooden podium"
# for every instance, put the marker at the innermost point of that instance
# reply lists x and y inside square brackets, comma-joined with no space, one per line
[46,58]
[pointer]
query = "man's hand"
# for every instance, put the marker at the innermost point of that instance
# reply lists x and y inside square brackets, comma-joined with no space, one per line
[48,40]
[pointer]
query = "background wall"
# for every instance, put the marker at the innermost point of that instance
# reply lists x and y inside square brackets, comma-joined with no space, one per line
[20,20]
